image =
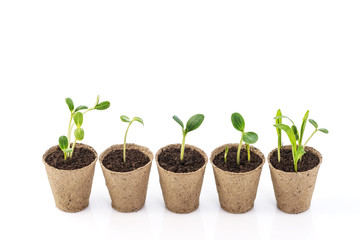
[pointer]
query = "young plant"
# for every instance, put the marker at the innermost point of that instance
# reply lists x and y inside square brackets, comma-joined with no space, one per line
[76,118]
[298,149]
[193,123]
[226,153]
[278,131]
[248,137]
[126,119]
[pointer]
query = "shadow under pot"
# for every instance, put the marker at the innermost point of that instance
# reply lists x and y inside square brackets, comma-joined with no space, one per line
[181,180]
[127,182]
[293,190]
[70,180]
[237,184]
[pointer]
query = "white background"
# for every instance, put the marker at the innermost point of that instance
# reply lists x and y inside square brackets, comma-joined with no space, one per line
[154,59]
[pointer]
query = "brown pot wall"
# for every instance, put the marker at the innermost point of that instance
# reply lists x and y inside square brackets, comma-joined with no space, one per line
[237,191]
[293,191]
[127,189]
[71,188]
[181,191]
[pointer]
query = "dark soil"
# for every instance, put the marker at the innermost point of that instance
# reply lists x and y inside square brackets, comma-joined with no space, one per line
[308,161]
[231,164]
[82,157]
[169,159]
[114,161]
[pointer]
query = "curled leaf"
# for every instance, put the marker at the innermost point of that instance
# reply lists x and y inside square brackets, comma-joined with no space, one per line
[124,118]
[278,117]
[296,133]
[238,121]
[194,122]
[78,119]
[178,120]
[70,104]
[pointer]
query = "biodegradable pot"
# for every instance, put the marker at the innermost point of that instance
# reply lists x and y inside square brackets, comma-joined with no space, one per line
[71,188]
[237,191]
[181,191]
[127,189]
[293,191]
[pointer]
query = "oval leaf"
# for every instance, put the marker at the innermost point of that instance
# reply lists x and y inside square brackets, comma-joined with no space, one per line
[102,105]
[296,133]
[194,122]
[324,130]
[63,142]
[178,120]
[81,107]
[313,123]
[79,134]
[70,104]
[124,118]
[238,121]
[138,120]
[78,119]
[250,137]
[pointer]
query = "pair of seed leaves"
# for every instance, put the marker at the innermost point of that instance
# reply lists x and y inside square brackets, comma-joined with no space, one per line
[193,123]
[98,106]
[239,124]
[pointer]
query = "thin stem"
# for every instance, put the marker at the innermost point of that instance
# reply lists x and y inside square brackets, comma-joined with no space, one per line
[69,130]
[73,149]
[310,137]
[124,150]
[248,152]
[279,146]
[183,147]
[238,151]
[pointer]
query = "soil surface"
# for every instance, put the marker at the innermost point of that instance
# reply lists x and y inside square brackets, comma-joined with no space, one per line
[308,161]
[231,164]
[169,159]
[82,157]
[114,161]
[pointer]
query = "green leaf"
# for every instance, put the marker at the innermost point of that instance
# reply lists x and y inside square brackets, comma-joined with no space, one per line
[238,121]
[124,118]
[324,130]
[296,133]
[178,120]
[194,122]
[102,106]
[299,153]
[81,107]
[68,150]
[250,137]
[278,117]
[79,134]
[290,134]
[70,104]
[313,123]
[63,142]
[277,121]
[303,125]
[78,119]
[138,120]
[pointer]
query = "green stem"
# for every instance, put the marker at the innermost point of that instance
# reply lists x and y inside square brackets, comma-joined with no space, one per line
[248,152]
[183,147]
[310,137]
[238,151]
[73,149]
[69,130]
[279,146]
[124,150]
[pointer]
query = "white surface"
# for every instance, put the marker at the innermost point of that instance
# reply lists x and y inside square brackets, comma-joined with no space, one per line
[154,59]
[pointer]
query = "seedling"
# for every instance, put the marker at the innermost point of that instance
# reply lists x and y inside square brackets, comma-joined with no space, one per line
[298,150]
[76,118]
[226,153]
[248,137]
[126,119]
[193,123]
[278,131]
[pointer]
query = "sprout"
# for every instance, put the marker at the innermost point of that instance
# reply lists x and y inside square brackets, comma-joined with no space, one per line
[193,123]
[226,153]
[248,137]
[298,150]
[278,131]
[126,119]
[76,118]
